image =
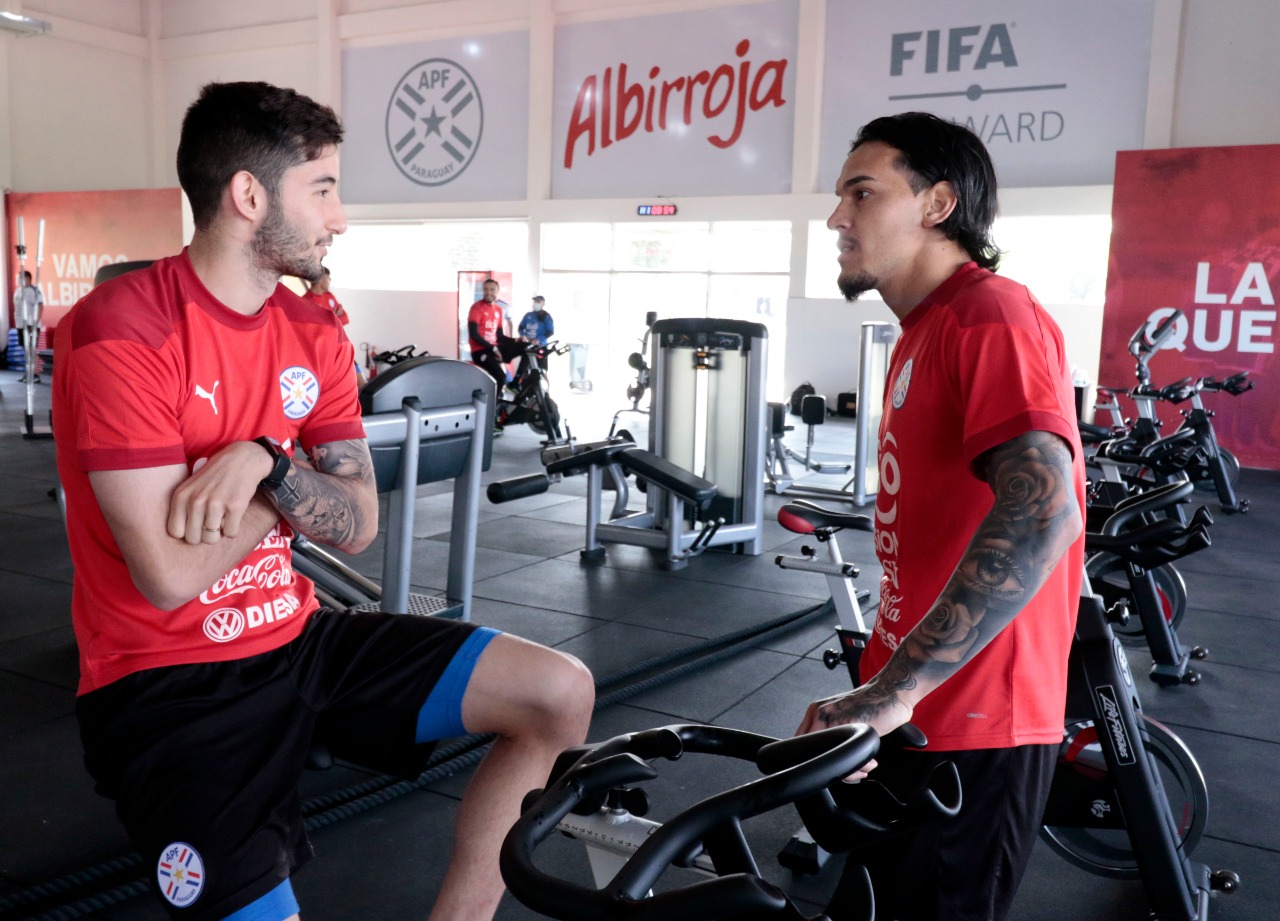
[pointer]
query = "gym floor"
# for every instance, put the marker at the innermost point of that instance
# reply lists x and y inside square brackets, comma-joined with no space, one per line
[63,854]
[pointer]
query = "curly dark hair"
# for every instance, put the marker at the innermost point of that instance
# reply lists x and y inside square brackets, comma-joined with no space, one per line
[257,127]
[932,149]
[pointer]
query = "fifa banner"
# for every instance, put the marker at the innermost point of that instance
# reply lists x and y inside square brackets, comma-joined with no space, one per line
[84,231]
[693,103]
[1194,230]
[1053,89]
[439,121]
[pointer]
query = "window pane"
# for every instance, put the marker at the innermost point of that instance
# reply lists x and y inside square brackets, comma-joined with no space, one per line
[751,246]
[820,262]
[757,299]
[661,248]
[1062,259]
[580,247]
[426,257]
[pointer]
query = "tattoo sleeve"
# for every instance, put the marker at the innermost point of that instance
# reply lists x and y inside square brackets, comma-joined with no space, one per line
[1034,519]
[333,500]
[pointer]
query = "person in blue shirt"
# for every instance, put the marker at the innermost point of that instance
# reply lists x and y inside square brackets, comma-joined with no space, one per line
[538,326]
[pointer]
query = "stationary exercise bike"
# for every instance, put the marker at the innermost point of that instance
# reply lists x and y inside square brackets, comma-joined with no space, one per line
[1137,455]
[1130,561]
[593,795]
[527,398]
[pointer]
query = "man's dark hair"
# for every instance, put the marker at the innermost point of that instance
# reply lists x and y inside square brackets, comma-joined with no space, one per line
[539,299]
[932,149]
[257,127]
[26,277]
[489,280]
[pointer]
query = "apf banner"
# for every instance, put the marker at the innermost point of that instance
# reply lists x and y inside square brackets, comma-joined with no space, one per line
[84,231]
[694,103]
[1194,229]
[1053,89]
[435,121]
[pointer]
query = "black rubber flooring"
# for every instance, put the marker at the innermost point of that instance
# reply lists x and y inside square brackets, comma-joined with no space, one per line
[63,854]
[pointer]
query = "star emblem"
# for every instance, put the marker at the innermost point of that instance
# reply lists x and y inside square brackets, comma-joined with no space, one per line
[433,123]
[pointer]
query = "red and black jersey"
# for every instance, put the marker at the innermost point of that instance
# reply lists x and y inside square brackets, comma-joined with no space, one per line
[488,319]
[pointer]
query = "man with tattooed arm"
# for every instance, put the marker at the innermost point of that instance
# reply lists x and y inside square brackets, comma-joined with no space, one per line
[979,519]
[205,414]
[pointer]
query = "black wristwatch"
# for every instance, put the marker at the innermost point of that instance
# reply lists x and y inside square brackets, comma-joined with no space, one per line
[280,463]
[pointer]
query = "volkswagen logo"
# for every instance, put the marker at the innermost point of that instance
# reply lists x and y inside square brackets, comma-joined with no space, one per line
[434,122]
[224,625]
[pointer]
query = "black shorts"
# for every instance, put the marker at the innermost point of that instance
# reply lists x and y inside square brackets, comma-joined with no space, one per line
[962,869]
[208,756]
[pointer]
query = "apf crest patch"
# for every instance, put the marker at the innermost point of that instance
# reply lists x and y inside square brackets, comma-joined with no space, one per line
[902,384]
[180,873]
[299,391]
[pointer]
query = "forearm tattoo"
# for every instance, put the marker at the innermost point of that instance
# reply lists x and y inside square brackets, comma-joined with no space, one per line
[324,503]
[1034,518]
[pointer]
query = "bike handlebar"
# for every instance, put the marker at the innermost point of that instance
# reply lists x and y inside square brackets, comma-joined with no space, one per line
[1145,341]
[712,823]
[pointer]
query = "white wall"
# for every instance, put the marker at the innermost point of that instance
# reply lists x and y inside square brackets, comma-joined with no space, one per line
[98,103]
[822,342]
[388,320]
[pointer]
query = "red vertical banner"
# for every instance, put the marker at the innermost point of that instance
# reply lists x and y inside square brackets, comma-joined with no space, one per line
[84,231]
[1195,230]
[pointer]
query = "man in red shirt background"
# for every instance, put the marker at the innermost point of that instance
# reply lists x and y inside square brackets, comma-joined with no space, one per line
[491,347]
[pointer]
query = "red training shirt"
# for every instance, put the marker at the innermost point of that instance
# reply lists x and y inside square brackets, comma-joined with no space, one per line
[979,362]
[152,370]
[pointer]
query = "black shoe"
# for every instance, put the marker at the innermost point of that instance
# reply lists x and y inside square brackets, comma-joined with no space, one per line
[38,379]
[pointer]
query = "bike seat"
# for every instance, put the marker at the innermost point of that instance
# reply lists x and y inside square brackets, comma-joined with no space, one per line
[803,517]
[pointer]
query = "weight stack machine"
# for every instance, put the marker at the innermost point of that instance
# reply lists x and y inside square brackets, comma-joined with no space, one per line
[708,416]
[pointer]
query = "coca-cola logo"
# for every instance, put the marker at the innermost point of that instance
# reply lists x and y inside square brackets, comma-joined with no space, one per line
[613,106]
[269,572]
[224,625]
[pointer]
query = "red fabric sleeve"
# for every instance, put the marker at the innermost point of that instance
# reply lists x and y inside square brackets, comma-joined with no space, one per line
[125,406]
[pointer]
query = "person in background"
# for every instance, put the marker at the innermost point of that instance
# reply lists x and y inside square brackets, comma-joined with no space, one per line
[205,414]
[538,326]
[28,312]
[978,523]
[320,292]
[491,348]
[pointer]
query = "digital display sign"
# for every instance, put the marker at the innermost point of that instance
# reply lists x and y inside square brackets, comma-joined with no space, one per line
[655,210]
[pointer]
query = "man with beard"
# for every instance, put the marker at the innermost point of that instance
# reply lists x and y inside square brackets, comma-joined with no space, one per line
[205,414]
[491,347]
[978,520]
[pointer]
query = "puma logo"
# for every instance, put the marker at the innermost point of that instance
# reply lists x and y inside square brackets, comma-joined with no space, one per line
[209,395]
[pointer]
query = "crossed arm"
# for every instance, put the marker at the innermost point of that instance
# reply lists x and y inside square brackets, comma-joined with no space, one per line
[1034,520]
[180,533]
